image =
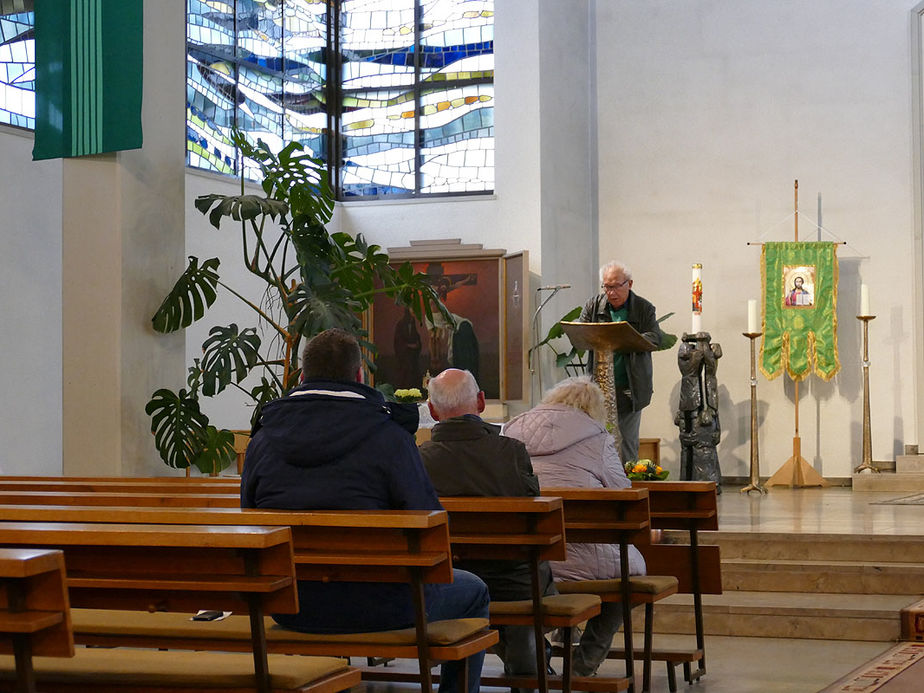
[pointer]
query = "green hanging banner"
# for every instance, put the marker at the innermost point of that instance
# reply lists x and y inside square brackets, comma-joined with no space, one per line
[800,310]
[88,70]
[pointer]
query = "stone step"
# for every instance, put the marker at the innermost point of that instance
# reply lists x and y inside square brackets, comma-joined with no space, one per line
[843,577]
[785,615]
[902,483]
[909,464]
[772,547]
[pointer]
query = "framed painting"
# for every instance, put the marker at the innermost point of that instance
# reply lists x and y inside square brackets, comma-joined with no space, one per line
[472,283]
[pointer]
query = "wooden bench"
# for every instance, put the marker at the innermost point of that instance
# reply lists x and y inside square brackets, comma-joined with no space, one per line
[621,517]
[689,506]
[531,530]
[144,567]
[365,546]
[34,611]
[149,498]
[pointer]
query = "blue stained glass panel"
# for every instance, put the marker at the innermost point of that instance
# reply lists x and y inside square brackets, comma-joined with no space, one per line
[262,67]
[17,70]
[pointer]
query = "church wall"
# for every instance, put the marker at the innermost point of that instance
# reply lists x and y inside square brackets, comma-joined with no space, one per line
[708,111]
[30,309]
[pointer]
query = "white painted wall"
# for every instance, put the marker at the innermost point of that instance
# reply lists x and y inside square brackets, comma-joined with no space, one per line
[702,114]
[708,112]
[30,309]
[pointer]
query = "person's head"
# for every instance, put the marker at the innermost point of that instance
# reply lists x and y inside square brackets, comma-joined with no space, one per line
[616,280]
[797,282]
[452,393]
[580,393]
[333,355]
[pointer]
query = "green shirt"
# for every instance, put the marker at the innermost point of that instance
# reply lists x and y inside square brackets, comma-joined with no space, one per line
[620,376]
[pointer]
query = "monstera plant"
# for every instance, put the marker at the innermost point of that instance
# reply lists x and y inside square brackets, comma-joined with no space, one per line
[312,280]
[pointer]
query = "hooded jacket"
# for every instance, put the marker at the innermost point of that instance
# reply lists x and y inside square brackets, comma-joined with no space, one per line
[568,448]
[334,445]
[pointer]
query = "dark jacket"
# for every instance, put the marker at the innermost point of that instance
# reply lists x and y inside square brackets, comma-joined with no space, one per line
[641,315]
[468,457]
[332,445]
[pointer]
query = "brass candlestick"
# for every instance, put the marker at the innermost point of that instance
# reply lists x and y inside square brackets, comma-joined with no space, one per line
[755,451]
[867,463]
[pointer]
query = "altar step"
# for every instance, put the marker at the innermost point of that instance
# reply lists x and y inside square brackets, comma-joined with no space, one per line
[833,587]
[785,615]
[904,477]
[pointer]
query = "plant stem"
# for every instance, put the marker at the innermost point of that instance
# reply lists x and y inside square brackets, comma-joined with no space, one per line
[263,315]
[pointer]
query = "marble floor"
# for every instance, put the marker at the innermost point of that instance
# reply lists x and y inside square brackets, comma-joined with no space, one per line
[774,665]
[736,665]
[831,510]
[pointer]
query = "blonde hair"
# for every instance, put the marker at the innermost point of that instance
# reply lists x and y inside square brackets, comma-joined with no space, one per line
[581,393]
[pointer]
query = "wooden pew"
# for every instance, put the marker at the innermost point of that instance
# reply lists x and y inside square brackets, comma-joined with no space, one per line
[616,516]
[689,506]
[526,529]
[156,499]
[143,567]
[365,546]
[34,611]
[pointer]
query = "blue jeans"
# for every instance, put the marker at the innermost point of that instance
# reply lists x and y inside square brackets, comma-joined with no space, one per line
[465,597]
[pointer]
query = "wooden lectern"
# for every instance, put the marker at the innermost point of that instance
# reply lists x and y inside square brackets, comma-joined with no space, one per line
[605,338]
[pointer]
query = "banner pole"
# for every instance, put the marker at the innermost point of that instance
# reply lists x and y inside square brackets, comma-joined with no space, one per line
[796,472]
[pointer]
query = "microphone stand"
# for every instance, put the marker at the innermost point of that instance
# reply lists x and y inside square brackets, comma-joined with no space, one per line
[538,370]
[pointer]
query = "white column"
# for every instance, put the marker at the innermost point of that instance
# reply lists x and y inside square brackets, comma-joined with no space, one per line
[123,245]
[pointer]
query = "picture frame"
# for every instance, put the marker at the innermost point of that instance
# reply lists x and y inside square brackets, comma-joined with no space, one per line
[485,289]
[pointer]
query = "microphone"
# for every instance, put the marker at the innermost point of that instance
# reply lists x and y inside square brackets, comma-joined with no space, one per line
[554,287]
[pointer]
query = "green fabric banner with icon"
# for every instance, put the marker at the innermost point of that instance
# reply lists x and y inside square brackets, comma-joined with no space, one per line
[88,72]
[800,310]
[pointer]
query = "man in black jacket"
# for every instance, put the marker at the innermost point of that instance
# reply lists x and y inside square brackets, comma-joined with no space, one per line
[631,371]
[334,444]
[468,457]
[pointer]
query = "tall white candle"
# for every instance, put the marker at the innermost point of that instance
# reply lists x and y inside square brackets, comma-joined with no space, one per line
[697,298]
[753,324]
[864,300]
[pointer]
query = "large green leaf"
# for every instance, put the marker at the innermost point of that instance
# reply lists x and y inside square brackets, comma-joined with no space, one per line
[217,451]
[239,207]
[265,392]
[178,426]
[557,330]
[228,355]
[294,176]
[187,301]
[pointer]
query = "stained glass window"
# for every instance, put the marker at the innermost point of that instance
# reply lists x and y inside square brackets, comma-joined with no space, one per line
[17,66]
[418,97]
[397,96]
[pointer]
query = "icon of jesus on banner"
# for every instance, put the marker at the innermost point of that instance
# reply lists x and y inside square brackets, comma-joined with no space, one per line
[799,283]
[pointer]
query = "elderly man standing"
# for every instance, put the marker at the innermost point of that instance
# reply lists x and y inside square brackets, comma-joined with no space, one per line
[468,457]
[334,444]
[631,371]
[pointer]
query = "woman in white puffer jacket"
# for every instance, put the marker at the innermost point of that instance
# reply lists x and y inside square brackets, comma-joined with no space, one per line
[569,446]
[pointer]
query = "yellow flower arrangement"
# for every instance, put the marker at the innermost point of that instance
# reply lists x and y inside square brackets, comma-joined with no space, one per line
[408,395]
[645,470]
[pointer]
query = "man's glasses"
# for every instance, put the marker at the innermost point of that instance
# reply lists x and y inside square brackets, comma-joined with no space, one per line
[613,287]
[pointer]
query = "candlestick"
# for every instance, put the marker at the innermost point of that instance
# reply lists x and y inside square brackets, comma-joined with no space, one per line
[754,484]
[697,298]
[864,299]
[753,324]
[866,464]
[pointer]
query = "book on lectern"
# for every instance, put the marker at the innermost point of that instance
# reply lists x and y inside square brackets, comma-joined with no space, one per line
[602,336]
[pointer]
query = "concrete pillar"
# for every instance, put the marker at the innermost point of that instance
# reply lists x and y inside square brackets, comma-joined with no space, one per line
[123,245]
